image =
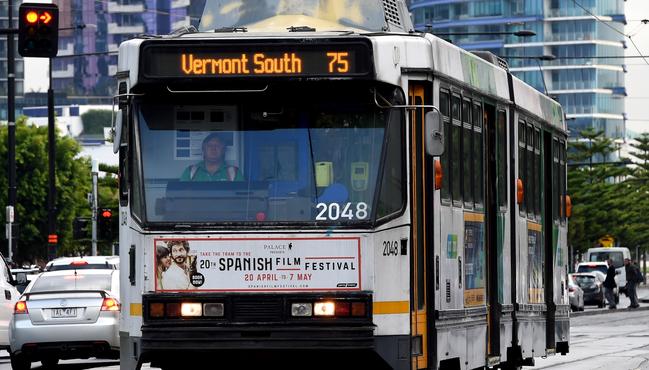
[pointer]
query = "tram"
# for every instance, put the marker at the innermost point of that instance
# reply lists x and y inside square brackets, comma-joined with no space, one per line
[317,184]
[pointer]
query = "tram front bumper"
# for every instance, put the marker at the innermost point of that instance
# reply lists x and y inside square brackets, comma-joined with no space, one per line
[256,337]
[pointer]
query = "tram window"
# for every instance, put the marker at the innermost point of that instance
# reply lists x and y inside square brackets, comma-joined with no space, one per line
[391,196]
[456,147]
[467,151]
[445,158]
[443,103]
[478,156]
[521,160]
[555,180]
[537,172]
[502,158]
[455,107]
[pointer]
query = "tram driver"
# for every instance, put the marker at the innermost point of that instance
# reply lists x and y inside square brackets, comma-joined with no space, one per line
[213,166]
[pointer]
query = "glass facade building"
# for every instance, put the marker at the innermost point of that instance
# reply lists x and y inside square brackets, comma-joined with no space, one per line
[19,65]
[581,35]
[89,77]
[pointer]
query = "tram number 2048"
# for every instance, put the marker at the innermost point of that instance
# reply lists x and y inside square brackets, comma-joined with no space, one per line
[335,211]
[390,248]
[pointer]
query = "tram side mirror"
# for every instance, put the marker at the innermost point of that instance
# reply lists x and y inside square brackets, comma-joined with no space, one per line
[434,133]
[117,131]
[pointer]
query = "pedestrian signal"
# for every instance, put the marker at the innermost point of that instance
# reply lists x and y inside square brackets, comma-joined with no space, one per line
[38,30]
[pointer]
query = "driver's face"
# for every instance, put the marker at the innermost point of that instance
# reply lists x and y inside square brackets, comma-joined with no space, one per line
[178,253]
[213,150]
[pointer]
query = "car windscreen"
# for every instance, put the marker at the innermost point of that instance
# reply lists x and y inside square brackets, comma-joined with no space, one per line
[617,257]
[89,266]
[585,268]
[585,280]
[71,282]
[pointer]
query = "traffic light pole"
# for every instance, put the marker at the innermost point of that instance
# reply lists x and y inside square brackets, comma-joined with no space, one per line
[51,140]
[11,120]
[95,174]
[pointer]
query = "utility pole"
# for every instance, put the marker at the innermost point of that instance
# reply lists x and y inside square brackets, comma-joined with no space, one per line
[11,120]
[95,174]
[51,194]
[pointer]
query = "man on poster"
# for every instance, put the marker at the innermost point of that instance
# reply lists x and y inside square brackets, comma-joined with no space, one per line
[176,277]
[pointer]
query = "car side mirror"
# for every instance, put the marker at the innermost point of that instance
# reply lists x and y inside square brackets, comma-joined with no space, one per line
[21,278]
[434,133]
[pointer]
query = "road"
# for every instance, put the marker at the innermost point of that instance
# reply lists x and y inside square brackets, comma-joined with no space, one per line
[617,340]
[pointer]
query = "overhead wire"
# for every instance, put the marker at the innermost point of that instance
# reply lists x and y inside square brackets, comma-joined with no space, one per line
[614,29]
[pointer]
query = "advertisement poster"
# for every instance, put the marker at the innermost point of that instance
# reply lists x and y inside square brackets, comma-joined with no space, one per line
[258,264]
[535,264]
[474,264]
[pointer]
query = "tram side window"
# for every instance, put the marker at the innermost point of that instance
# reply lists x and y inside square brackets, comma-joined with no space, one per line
[521,161]
[467,149]
[456,149]
[502,158]
[444,100]
[555,180]
[537,173]
[478,156]
[391,197]
[529,197]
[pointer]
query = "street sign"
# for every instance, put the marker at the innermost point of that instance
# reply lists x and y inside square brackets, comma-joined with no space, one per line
[10,214]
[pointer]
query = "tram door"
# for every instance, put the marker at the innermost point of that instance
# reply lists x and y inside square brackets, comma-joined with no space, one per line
[421,195]
[495,205]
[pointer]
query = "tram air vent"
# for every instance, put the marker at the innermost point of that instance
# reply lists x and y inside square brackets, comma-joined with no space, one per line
[492,58]
[448,291]
[397,16]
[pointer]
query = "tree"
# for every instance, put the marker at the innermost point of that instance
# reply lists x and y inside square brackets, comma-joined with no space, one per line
[73,182]
[95,120]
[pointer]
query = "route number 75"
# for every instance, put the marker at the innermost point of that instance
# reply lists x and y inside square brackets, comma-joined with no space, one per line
[338,62]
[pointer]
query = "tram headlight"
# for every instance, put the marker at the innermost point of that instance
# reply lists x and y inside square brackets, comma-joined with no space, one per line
[213,309]
[302,309]
[191,309]
[324,309]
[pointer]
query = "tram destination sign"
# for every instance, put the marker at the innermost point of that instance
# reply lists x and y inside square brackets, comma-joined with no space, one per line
[182,61]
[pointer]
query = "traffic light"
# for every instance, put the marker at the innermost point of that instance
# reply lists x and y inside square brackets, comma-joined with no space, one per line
[80,228]
[105,224]
[38,30]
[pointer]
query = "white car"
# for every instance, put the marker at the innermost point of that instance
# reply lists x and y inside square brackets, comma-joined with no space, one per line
[8,299]
[64,315]
[87,262]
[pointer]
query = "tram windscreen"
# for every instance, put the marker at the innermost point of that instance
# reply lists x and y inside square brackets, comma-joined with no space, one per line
[323,15]
[290,162]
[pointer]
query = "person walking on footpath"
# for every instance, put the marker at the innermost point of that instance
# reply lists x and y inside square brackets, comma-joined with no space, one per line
[632,277]
[609,285]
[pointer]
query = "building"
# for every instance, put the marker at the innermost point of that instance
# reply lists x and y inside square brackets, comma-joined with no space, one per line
[87,59]
[578,33]
[19,65]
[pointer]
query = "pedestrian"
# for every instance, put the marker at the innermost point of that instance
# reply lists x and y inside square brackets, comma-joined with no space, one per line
[609,285]
[632,278]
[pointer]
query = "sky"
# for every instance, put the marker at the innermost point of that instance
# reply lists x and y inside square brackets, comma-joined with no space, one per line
[637,78]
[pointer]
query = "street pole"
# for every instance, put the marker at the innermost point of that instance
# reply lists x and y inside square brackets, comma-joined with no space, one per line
[51,140]
[95,173]
[11,122]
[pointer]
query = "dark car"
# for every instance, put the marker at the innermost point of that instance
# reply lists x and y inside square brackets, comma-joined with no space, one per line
[592,287]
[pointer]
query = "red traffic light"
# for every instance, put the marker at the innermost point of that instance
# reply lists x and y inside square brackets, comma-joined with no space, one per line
[106,213]
[53,239]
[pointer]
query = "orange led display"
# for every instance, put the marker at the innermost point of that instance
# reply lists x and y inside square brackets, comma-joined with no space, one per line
[331,59]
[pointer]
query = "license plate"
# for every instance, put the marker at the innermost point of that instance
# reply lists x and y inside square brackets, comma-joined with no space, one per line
[58,313]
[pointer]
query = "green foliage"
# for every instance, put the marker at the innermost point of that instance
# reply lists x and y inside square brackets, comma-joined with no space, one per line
[608,198]
[72,184]
[95,120]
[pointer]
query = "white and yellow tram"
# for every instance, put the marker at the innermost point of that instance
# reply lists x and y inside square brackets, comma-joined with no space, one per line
[315,180]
